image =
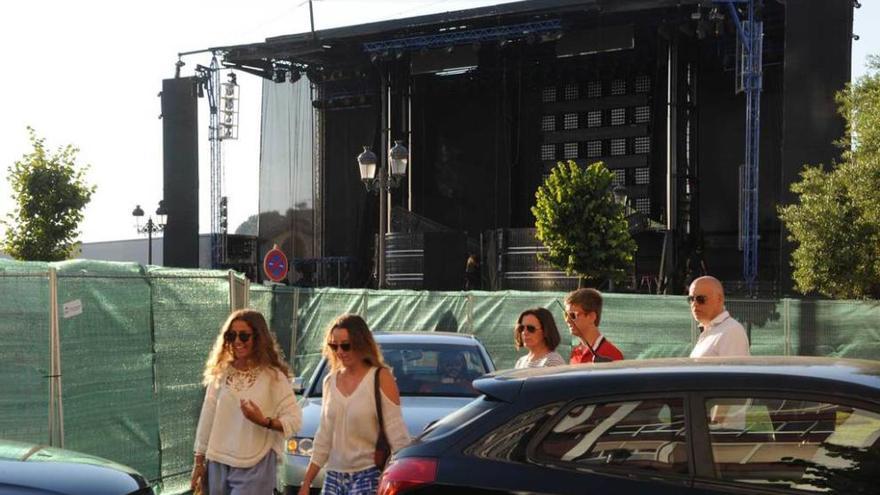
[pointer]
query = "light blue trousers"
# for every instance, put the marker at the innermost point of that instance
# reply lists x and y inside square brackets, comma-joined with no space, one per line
[255,480]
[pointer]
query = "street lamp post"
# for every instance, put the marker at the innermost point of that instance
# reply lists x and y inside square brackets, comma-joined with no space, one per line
[381,182]
[150,226]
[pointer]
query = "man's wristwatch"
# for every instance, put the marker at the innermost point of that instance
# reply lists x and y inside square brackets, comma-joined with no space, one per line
[268,423]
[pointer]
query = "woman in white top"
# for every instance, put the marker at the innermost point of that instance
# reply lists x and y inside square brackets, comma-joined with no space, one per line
[536,331]
[249,410]
[346,438]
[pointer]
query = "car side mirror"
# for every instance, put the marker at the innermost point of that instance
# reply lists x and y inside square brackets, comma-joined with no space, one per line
[299,385]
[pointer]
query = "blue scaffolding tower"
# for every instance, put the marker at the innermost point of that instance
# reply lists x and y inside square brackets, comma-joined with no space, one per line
[750,32]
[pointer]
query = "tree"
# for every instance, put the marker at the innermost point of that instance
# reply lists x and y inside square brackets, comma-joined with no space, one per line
[50,193]
[584,229]
[835,222]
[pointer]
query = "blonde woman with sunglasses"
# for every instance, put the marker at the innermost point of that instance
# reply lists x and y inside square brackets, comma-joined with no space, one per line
[249,410]
[345,442]
[536,331]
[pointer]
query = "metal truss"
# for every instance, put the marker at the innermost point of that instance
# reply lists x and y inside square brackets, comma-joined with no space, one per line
[211,79]
[751,33]
[464,36]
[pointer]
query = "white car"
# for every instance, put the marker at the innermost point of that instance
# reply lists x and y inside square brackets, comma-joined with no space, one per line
[419,361]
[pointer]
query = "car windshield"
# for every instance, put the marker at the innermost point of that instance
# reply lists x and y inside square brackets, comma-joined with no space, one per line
[428,369]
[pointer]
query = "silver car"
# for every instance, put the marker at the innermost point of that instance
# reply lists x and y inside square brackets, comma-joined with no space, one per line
[421,362]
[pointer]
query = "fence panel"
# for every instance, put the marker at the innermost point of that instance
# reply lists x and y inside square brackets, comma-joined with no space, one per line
[188,308]
[107,363]
[24,354]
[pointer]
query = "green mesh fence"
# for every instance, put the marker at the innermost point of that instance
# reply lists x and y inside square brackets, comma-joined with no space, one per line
[107,363]
[24,354]
[133,343]
[188,309]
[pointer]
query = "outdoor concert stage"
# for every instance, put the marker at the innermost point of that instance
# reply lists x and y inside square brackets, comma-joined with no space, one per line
[488,100]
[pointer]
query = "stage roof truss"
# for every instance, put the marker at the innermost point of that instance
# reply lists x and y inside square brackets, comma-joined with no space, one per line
[451,37]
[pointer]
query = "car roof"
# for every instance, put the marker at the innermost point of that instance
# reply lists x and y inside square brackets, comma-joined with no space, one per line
[425,338]
[803,374]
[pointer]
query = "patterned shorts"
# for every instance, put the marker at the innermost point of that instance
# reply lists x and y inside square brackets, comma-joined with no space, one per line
[364,482]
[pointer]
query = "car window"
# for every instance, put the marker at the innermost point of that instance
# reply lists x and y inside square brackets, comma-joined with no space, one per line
[509,441]
[646,434]
[458,418]
[430,369]
[800,444]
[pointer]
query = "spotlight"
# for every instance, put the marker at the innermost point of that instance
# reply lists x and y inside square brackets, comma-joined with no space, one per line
[280,76]
[295,76]
[855,37]
[229,108]
[856,4]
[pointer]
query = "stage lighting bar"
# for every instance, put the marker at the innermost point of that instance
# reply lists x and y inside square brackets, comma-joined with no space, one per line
[464,36]
[229,100]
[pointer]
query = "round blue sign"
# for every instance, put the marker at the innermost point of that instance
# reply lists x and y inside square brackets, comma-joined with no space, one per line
[275,265]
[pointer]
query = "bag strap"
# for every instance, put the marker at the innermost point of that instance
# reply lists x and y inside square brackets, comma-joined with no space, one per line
[379,403]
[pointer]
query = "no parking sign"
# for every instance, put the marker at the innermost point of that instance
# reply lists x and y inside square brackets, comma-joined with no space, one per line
[275,264]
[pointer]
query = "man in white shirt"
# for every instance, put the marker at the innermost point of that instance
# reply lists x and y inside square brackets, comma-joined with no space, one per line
[720,335]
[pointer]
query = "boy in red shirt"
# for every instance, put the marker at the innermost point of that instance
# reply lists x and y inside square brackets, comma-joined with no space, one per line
[583,311]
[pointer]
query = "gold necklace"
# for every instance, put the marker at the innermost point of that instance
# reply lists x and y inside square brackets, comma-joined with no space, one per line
[240,380]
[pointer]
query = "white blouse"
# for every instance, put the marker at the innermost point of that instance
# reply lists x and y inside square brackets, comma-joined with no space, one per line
[552,358]
[346,437]
[226,436]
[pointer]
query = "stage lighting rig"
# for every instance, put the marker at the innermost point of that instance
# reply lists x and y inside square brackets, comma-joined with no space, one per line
[229,101]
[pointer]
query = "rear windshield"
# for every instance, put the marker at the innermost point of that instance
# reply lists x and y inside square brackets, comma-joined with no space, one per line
[457,418]
[445,370]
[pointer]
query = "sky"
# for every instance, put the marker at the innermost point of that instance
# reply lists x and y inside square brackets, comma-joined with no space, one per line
[88,73]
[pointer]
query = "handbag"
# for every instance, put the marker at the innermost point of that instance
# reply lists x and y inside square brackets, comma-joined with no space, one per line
[383,448]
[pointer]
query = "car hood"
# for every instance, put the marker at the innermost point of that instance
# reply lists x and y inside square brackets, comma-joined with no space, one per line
[28,467]
[418,412]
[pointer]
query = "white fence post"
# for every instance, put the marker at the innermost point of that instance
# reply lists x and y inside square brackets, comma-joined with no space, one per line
[56,407]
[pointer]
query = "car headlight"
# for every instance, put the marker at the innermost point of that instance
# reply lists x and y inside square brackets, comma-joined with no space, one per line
[300,446]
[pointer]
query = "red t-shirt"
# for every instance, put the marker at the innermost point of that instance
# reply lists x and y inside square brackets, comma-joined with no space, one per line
[581,353]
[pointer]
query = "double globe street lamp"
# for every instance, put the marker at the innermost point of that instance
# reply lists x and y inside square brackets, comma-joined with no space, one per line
[376,178]
[150,227]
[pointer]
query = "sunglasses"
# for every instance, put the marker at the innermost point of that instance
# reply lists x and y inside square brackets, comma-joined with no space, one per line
[528,328]
[700,299]
[345,346]
[572,315]
[243,336]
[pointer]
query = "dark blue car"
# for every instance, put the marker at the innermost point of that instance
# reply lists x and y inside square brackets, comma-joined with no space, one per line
[673,426]
[27,469]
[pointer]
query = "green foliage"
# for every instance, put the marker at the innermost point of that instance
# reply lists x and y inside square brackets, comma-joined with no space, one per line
[583,228]
[836,221]
[50,193]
